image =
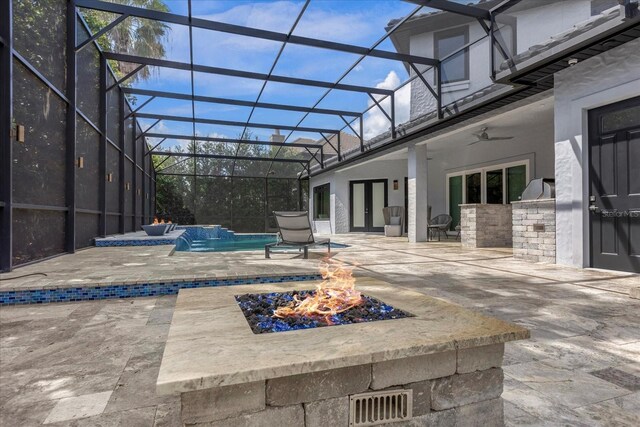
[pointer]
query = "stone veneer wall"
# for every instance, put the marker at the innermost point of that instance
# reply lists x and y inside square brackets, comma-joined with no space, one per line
[485,225]
[529,243]
[456,387]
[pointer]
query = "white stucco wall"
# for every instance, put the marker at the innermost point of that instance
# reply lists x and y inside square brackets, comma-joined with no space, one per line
[534,25]
[537,24]
[339,185]
[604,79]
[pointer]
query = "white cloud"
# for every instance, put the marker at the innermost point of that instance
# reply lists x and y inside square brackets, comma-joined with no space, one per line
[316,22]
[276,16]
[255,54]
[338,26]
[162,128]
[217,135]
[375,122]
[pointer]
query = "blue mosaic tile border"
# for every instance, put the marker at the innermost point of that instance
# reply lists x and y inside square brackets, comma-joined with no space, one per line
[135,242]
[86,293]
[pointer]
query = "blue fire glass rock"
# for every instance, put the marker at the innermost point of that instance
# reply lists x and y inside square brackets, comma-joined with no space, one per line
[259,311]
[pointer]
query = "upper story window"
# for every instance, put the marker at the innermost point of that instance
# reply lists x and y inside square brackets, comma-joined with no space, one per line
[455,68]
[321,202]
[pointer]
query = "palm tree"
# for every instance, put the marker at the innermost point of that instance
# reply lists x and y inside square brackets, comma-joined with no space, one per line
[135,36]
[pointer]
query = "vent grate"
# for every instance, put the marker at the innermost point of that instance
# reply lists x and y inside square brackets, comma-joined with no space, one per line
[370,409]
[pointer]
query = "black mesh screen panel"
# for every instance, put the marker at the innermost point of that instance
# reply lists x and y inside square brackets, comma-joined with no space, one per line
[128,138]
[113,223]
[128,194]
[37,234]
[88,81]
[282,195]
[87,176]
[128,223]
[39,34]
[248,204]
[113,186]
[113,112]
[137,195]
[213,201]
[87,227]
[39,162]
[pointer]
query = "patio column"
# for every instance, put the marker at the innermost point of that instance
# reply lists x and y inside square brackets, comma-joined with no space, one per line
[417,186]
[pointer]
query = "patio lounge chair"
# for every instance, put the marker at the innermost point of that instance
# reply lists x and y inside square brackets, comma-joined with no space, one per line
[393,221]
[439,224]
[295,232]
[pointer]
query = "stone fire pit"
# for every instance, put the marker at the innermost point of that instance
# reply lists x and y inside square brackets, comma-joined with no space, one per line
[445,361]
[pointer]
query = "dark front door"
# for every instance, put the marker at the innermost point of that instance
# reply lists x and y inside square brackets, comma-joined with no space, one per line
[366,201]
[614,176]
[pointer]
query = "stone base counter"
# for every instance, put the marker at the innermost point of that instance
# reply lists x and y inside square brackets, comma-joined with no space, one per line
[534,230]
[446,359]
[485,226]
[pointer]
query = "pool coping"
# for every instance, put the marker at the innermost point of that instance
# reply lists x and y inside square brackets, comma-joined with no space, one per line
[138,238]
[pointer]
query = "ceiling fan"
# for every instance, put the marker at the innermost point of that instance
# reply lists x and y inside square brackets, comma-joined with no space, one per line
[484,136]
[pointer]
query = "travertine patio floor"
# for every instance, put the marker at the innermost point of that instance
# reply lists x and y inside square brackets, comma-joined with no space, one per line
[95,363]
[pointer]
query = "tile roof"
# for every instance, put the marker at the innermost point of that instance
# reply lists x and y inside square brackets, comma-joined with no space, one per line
[393,22]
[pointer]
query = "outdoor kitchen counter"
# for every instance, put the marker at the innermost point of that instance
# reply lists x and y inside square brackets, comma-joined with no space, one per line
[210,343]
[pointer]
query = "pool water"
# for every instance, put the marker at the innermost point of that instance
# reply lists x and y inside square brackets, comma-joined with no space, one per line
[231,245]
[218,239]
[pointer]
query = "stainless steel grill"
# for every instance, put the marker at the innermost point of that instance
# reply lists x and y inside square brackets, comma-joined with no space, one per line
[539,188]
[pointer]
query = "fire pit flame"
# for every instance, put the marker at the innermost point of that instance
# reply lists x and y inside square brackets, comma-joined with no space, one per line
[335,294]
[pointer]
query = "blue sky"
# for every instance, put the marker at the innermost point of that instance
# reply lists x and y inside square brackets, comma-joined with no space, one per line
[359,22]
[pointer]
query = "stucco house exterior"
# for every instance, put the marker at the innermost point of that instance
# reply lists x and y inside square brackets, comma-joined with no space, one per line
[552,92]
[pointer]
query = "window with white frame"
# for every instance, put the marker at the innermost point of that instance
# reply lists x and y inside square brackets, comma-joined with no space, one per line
[454,68]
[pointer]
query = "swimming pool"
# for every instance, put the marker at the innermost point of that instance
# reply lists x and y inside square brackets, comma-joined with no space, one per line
[218,239]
